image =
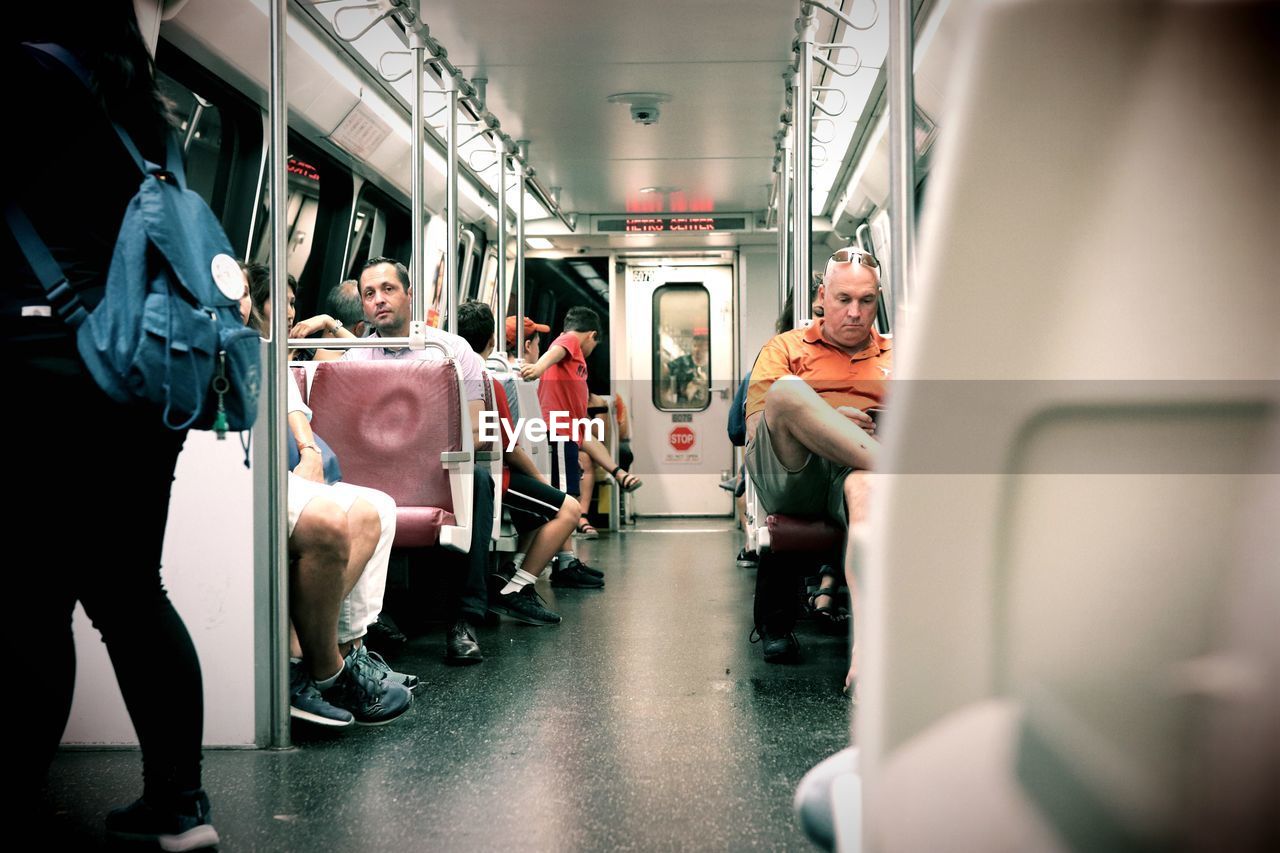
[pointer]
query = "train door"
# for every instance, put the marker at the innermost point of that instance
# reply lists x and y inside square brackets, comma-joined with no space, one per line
[680,345]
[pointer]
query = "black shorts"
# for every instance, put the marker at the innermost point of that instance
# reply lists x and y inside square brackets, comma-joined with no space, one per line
[565,470]
[532,503]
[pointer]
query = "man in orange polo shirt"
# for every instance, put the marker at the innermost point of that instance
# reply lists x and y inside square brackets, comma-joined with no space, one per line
[809,436]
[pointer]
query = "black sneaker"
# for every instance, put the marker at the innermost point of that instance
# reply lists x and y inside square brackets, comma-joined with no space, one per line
[524,605]
[777,648]
[748,559]
[574,575]
[183,826]
[385,636]
[595,573]
[371,701]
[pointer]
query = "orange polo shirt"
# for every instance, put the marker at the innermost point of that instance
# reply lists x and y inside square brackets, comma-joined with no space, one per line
[840,379]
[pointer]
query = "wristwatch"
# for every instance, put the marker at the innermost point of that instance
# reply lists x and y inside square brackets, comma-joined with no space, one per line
[337,324]
[303,447]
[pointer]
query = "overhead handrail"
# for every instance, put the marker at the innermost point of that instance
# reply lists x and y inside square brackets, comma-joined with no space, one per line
[823,121]
[834,67]
[844,100]
[818,163]
[363,7]
[875,18]
[471,93]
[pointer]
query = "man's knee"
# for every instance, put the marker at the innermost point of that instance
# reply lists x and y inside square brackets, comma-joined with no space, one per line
[322,529]
[787,394]
[570,508]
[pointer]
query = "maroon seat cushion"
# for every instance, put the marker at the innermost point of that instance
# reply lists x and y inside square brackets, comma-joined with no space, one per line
[388,422]
[794,534]
[419,526]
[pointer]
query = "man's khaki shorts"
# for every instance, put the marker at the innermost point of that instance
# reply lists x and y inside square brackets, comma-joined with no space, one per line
[816,488]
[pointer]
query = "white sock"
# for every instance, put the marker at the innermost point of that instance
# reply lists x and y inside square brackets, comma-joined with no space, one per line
[329,682]
[564,558]
[518,581]
[518,559]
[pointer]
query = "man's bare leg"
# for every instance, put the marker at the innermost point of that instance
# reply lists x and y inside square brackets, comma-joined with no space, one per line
[800,423]
[322,543]
[856,494]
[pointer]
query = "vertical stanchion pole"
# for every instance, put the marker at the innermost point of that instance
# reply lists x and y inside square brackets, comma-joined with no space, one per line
[500,316]
[523,146]
[417,258]
[454,236]
[902,184]
[784,220]
[802,130]
[277,375]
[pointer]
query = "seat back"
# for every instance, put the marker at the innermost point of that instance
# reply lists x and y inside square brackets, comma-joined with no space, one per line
[1081,395]
[389,422]
[539,451]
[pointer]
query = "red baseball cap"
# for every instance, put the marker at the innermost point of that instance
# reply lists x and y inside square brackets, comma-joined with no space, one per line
[529,328]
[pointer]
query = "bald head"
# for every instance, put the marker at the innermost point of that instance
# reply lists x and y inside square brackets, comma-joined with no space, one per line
[849,295]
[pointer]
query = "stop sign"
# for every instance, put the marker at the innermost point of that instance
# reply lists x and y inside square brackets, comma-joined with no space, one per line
[681,438]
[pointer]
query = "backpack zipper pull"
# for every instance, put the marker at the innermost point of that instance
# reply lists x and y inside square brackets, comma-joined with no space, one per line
[220,387]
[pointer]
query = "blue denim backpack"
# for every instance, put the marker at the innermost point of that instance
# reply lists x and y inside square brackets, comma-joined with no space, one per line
[168,331]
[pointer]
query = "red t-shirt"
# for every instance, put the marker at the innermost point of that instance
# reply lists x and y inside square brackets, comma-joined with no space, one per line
[508,429]
[563,387]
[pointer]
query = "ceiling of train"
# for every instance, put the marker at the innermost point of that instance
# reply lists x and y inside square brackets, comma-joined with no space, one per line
[553,65]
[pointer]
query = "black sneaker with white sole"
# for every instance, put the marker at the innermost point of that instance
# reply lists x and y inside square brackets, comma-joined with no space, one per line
[595,573]
[574,575]
[524,605]
[371,701]
[306,703]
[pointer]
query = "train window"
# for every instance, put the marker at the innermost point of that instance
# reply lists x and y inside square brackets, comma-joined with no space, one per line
[380,229]
[488,293]
[300,211]
[681,347]
[200,133]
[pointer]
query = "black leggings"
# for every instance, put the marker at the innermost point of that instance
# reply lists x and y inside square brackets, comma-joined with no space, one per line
[92,498]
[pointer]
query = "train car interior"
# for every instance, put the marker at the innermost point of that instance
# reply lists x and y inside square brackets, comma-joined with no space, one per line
[1032,605]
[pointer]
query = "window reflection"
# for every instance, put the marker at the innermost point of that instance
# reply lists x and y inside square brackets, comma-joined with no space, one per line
[682,347]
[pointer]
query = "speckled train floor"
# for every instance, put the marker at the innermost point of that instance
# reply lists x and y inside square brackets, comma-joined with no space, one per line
[645,721]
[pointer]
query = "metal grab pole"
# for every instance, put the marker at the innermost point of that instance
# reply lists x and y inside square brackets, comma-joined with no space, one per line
[417,258]
[451,241]
[520,250]
[500,316]
[784,221]
[803,130]
[902,168]
[277,375]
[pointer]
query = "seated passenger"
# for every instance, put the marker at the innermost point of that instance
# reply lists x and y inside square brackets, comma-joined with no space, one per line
[543,515]
[385,292]
[340,542]
[345,307]
[321,324]
[809,435]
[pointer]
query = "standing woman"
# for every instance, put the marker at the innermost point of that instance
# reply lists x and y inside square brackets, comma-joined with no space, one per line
[91,477]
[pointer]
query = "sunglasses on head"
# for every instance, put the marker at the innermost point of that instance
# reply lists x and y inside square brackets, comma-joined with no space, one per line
[851,255]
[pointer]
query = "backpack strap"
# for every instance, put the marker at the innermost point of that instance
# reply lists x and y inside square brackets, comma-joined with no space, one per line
[62,297]
[173,154]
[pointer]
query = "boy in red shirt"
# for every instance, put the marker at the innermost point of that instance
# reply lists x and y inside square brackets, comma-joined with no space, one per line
[563,389]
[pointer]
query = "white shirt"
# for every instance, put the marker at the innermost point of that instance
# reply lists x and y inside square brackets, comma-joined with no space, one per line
[473,372]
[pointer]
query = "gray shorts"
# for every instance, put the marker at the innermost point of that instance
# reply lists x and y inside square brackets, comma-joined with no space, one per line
[816,488]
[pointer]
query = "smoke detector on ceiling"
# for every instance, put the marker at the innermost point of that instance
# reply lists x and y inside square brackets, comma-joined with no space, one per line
[644,105]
